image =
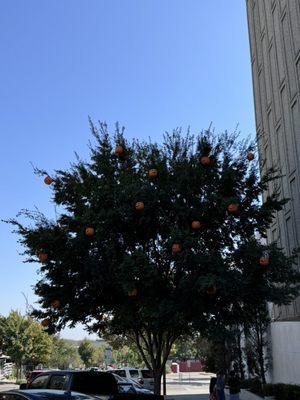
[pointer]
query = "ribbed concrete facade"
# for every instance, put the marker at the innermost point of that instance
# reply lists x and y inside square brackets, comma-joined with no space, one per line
[274,33]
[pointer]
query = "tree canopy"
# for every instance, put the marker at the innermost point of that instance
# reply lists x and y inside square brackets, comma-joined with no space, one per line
[24,340]
[87,352]
[64,355]
[153,241]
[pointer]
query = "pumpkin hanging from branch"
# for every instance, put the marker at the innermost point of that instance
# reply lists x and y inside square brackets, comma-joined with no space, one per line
[48,180]
[42,256]
[176,248]
[205,160]
[152,173]
[250,156]
[89,231]
[119,149]
[264,260]
[45,323]
[139,206]
[133,293]
[55,303]
[196,224]
[233,208]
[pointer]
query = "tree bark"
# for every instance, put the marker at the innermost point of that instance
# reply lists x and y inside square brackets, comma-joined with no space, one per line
[240,355]
[154,349]
[157,381]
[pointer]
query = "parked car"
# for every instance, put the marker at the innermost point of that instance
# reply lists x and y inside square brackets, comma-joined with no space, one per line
[89,382]
[43,394]
[133,386]
[141,375]
[126,372]
[32,374]
[138,387]
[146,378]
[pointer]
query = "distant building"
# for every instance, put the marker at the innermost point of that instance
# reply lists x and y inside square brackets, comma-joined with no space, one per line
[274,34]
[6,366]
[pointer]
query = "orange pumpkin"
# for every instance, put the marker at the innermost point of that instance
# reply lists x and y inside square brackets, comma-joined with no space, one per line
[45,322]
[211,291]
[233,208]
[55,304]
[139,206]
[205,160]
[250,156]
[89,231]
[264,261]
[42,256]
[48,180]
[177,248]
[152,173]
[196,224]
[132,293]
[119,149]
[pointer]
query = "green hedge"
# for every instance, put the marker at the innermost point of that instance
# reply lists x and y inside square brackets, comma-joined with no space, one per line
[254,385]
[282,391]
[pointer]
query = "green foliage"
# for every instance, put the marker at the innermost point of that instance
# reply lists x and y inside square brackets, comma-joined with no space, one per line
[24,340]
[64,355]
[254,385]
[282,391]
[190,347]
[87,352]
[126,356]
[92,276]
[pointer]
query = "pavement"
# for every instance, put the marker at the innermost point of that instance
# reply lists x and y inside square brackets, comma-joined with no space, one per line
[7,386]
[188,386]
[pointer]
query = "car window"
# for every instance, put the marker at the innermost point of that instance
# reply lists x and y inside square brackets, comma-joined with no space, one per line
[120,372]
[125,388]
[134,373]
[58,382]
[39,382]
[32,375]
[119,378]
[94,383]
[146,373]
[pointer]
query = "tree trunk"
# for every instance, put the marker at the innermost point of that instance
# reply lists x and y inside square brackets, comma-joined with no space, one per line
[157,381]
[261,363]
[240,356]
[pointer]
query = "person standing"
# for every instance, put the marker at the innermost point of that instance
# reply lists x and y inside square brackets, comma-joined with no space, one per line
[234,386]
[212,388]
[220,386]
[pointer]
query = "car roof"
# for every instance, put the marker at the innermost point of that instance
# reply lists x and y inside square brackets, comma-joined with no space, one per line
[49,394]
[125,369]
[71,371]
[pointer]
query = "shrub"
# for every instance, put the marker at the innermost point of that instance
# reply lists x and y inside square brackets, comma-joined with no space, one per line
[282,391]
[269,389]
[253,384]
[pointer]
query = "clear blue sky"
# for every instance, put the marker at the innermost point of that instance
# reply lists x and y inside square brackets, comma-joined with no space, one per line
[153,65]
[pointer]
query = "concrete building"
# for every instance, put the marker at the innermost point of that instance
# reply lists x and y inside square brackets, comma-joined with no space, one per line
[274,34]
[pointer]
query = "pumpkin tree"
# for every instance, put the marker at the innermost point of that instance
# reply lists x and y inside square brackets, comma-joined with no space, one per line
[154,240]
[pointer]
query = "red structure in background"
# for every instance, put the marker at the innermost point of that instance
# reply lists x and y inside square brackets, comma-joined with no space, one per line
[187,366]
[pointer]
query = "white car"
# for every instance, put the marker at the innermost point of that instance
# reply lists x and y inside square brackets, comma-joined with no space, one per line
[142,376]
[146,378]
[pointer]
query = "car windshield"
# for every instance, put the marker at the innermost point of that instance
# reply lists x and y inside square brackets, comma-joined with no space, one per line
[146,373]
[94,383]
[120,372]
[134,373]
[125,388]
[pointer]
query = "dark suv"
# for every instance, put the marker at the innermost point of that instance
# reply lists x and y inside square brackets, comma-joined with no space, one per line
[89,382]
